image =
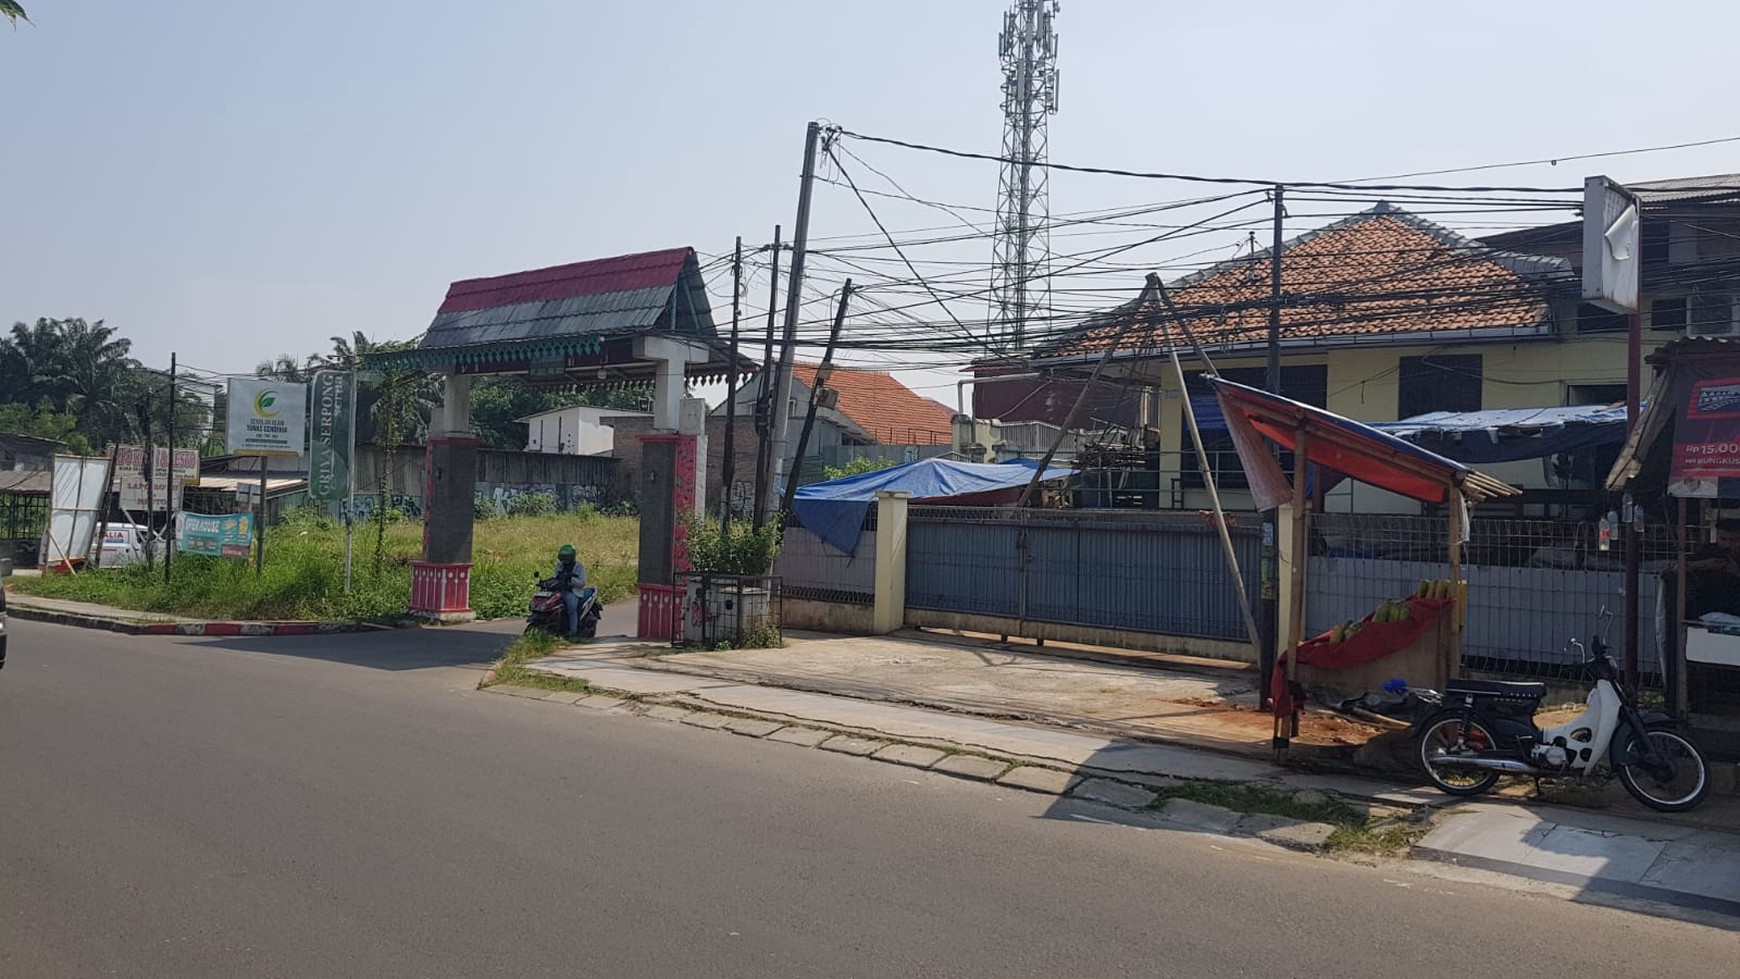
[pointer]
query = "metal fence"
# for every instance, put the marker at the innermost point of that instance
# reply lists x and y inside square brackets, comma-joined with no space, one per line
[817,570]
[1533,585]
[1161,573]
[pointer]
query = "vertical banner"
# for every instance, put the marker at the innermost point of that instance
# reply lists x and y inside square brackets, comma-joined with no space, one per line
[1707,439]
[267,417]
[332,437]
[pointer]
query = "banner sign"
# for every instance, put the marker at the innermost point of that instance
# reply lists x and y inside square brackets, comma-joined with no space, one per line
[333,436]
[266,417]
[130,476]
[217,536]
[1707,439]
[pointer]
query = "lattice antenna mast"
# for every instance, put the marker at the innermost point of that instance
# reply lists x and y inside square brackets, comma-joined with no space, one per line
[1021,264]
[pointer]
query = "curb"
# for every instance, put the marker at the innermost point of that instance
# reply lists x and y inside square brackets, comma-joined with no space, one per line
[1090,785]
[145,627]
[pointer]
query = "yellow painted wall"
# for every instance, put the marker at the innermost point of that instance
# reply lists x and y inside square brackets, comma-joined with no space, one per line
[1363,385]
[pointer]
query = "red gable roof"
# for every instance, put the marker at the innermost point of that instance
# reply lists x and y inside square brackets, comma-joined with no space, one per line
[887,410]
[1380,272]
[645,270]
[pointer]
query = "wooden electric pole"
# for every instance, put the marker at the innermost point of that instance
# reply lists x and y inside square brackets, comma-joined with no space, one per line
[816,390]
[728,473]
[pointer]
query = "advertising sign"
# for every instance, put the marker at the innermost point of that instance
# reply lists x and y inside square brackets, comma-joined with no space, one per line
[332,436]
[1707,439]
[130,476]
[266,417]
[217,536]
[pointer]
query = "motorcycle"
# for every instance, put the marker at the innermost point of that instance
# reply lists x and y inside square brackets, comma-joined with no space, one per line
[548,614]
[1477,731]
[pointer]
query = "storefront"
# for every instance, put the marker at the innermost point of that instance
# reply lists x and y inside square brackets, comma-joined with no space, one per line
[1682,466]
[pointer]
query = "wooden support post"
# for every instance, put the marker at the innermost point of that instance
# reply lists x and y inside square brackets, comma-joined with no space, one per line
[1301,553]
[1453,497]
[1682,690]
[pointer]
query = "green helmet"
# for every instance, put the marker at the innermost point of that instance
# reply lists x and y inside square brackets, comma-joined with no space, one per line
[566,553]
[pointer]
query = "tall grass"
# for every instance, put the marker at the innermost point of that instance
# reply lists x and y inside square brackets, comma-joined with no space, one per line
[304,573]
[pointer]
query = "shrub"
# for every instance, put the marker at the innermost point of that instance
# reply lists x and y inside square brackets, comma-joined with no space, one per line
[484,508]
[532,505]
[741,549]
[621,508]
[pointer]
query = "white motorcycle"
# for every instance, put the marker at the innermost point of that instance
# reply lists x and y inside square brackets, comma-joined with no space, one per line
[1478,731]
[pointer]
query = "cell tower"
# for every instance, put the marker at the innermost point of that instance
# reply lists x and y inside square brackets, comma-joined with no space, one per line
[1021,263]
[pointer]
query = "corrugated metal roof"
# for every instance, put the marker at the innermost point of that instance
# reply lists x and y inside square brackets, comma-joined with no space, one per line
[1716,186]
[610,296]
[28,481]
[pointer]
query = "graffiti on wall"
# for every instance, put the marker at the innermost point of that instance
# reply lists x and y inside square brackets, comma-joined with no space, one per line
[567,495]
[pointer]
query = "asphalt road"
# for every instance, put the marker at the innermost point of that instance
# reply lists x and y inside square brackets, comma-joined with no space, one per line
[350,806]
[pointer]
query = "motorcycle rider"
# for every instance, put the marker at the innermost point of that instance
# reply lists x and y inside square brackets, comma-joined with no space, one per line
[571,582]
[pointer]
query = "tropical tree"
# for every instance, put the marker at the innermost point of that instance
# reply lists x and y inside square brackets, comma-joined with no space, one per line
[80,368]
[287,369]
[13,12]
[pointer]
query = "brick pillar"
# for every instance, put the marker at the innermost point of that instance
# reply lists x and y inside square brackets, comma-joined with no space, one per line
[441,582]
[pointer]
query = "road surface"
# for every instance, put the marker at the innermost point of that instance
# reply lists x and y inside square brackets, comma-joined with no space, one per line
[350,806]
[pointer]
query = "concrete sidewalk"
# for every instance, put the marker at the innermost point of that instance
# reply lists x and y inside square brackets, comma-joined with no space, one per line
[1598,853]
[1201,703]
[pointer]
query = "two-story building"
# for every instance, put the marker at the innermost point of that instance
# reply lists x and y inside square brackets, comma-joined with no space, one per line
[1385,316]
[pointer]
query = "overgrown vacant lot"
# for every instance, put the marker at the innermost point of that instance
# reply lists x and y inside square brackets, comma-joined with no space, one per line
[304,576]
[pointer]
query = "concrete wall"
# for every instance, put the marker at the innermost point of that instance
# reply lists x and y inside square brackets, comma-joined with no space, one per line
[629,467]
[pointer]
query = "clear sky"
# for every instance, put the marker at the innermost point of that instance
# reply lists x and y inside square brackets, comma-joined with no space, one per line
[232,179]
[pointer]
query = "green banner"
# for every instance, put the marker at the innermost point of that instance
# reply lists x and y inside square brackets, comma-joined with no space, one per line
[331,413]
[217,536]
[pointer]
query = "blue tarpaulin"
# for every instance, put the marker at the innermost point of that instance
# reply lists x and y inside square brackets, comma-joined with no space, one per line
[1510,434]
[834,510]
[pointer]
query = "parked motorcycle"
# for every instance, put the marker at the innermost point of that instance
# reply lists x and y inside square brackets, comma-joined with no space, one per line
[1476,731]
[547,613]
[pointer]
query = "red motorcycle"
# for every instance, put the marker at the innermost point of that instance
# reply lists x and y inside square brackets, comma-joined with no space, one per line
[548,614]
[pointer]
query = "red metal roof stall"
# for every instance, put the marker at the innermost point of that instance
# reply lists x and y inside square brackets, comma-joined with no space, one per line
[626,320]
[1333,447]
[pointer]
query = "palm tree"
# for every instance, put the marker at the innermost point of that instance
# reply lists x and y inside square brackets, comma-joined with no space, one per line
[287,369]
[95,375]
[13,12]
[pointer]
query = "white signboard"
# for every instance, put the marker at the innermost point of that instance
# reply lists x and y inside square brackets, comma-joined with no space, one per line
[1612,245]
[80,485]
[130,477]
[267,417]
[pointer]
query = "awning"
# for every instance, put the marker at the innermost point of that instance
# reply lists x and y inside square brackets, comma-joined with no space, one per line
[834,510]
[1510,434]
[1687,439]
[1341,445]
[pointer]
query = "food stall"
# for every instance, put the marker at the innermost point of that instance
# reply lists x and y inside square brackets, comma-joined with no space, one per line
[1682,464]
[1426,626]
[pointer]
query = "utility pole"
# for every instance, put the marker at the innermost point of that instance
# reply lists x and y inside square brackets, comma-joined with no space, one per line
[729,469]
[1629,514]
[150,478]
[1270,566]
[816,391]
[764,395]
[1020,271]
[169,484]
[793,306]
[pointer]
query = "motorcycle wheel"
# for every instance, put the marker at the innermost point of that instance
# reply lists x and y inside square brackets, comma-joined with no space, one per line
[1678,785]
[1455,733]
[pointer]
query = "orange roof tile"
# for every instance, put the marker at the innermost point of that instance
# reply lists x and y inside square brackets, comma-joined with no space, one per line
[1381,272]
[887,410]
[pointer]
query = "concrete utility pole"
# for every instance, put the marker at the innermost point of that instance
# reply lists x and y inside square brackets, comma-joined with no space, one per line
[169,504]
[764,396]
[1020,271]
[729,473]
[1270,569]
[793,305]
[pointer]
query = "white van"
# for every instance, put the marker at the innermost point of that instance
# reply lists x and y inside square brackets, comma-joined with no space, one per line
[125,544]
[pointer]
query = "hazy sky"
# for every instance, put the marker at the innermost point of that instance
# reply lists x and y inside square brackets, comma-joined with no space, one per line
[232,179]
